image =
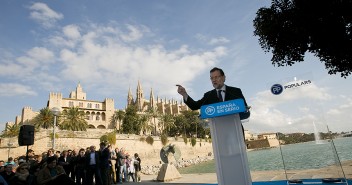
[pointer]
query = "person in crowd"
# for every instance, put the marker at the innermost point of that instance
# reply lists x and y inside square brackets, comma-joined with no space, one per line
[113,157]
[22,176]
[92,166]
[49,153]
[117,167]
[73,154]
[10,161]
[64,160]
[121,160]
[104,158]
[130,168]
[137,167]
[58,154]
[36,166]
[2,166]
[8,172]
[80,161]
[53,174]
[3,181]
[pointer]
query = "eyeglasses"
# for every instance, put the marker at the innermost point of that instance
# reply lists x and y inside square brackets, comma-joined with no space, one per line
[215,77]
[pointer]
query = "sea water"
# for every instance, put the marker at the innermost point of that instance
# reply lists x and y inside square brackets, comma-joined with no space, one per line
[309,155]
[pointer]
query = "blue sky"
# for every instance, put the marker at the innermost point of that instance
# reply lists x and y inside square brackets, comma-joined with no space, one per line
[107,46]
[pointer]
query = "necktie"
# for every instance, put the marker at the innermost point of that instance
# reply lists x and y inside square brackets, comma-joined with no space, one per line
[220,95]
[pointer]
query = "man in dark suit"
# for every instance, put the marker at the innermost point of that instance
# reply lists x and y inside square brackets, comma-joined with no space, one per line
[221,92]
[92,165]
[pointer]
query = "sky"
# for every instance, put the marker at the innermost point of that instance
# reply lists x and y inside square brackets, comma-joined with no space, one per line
[107,46]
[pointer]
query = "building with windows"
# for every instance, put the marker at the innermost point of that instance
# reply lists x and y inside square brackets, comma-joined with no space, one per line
[99,113]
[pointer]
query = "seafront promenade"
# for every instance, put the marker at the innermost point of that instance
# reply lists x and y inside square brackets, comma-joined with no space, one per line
[210,178]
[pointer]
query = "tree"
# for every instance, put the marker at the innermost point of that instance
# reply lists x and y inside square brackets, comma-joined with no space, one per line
[191,121]
[45,119]
[180,125]
[290,28]
[117,117]
[153,112]
[144,124]
[130,120]
[11,130]
[73,119]
[167,121]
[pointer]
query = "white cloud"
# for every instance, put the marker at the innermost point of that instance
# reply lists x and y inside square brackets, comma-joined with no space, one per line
[44,15]
[213,40]
[71,31]
[218,40]
[133,34]
[100,58]
[12,89]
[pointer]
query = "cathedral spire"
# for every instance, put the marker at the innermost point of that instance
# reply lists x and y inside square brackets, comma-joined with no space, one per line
[140,97]
[152,102]
[129,97]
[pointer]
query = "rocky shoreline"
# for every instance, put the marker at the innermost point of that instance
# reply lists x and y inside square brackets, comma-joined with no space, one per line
[154,169]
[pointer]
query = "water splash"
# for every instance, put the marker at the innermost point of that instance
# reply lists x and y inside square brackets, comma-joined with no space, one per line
[317,135]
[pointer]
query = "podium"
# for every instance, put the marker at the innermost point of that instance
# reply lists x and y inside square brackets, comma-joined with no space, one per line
[228,142]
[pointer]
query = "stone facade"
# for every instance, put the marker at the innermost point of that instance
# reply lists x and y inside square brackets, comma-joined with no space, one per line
[150,154]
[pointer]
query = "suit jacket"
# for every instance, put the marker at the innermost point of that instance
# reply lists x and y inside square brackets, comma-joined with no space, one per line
[97,161]
[211,97]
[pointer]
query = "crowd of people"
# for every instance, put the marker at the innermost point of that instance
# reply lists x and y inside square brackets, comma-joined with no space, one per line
[103,166]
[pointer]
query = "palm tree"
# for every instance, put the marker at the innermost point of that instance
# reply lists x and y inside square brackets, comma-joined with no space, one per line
[74,120]
[167,121]
[153,113]
[144,123]
[44,119]
[118,117]
[11,130]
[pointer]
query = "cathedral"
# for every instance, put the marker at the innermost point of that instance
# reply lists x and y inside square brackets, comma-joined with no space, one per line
[99,113]
[163,106]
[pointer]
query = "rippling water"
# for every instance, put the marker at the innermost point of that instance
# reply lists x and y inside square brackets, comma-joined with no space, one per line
[296,156]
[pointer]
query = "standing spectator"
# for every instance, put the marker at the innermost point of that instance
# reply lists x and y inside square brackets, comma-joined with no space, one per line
[104,158]
[73,154]
[80,161]
[137,167]
[64,161]
[22,176]
[122,164]
[92,165]
[113,157]
[8,173]
[130,168]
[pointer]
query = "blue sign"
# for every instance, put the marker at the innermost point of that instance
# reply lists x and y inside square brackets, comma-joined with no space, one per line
[222,108]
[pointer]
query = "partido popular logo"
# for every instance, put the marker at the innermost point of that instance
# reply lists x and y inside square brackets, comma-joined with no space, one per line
[222,108]
[277,89]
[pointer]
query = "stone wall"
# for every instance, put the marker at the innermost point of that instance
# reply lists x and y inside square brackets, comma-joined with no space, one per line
[150,154]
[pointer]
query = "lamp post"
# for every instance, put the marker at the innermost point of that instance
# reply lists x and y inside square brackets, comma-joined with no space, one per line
[9,145]
[56,112]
